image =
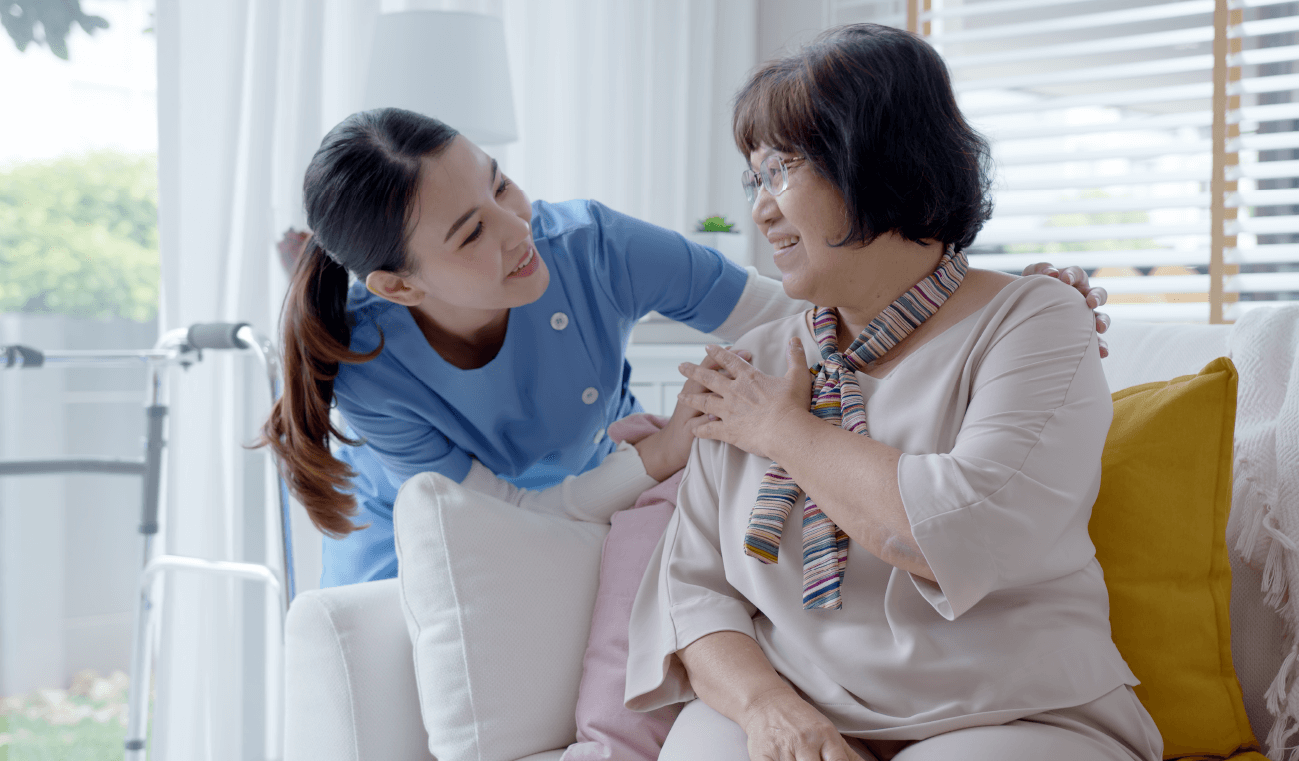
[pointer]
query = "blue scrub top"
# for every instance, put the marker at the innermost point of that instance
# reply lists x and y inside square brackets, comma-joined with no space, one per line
[538,411]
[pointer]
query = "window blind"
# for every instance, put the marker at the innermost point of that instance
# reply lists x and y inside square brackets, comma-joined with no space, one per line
[1155,143]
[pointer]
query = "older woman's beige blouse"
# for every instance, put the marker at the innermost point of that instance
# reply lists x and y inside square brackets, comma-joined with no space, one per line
[1001,420]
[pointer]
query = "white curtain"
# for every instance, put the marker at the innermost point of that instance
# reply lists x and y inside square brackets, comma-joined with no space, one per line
[246,90]
[630,102]
[624,101]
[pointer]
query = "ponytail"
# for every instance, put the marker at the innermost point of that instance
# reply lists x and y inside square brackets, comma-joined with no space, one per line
[357,192]
[316,339]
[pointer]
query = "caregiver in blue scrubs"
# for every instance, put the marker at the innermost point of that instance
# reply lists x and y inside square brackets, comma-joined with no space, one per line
[482,336]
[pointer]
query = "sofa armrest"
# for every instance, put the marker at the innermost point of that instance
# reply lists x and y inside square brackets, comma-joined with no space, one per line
[350,690]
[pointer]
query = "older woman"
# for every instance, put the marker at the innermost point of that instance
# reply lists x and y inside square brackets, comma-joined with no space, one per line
[904,570]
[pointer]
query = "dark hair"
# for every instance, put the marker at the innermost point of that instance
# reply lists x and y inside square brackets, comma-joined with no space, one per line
[358,192]
[871,109]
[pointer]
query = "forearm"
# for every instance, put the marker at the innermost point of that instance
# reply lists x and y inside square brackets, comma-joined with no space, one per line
[664,452]
[854,480]
[731,674]
[592,496]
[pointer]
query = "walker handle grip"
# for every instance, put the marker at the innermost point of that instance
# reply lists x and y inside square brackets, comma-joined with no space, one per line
[216,335]
[22,356]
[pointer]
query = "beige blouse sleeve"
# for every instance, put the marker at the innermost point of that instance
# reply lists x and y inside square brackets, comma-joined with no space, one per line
[684,594]
[1009,504]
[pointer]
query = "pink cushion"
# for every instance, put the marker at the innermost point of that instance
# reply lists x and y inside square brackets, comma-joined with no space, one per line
[606,729]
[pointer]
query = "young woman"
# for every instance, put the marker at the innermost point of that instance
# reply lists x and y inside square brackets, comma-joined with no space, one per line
[900,569]
[482,337]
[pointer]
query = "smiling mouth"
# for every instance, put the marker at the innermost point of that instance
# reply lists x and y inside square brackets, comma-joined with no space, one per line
[526,261]
[786,244]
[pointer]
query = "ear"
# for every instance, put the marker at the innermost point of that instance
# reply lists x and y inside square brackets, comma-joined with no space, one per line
[394,288]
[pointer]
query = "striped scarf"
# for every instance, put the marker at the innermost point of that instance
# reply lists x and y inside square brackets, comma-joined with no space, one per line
[837,397]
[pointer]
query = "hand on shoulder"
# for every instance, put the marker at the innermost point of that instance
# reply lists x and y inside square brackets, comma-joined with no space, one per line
[1077,277]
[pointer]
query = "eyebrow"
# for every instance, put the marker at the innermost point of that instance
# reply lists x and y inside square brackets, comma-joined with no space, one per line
[465,217]
[760,160]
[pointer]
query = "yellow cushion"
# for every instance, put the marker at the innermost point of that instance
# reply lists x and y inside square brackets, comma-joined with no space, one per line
[1159,525]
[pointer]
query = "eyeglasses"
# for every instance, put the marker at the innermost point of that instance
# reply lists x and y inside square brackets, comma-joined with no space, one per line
[772,174]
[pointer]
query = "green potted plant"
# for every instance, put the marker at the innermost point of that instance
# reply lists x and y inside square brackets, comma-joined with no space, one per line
[717,232]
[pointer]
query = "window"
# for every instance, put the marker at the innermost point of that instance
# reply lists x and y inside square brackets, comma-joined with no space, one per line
[1152,143]
[78,270]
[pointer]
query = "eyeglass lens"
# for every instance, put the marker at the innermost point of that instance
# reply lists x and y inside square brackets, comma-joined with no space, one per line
[771,173]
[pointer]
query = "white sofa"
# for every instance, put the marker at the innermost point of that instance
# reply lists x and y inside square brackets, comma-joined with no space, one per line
[351,692]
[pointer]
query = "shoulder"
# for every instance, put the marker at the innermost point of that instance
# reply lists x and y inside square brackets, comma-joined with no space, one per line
[570,234]
[767,342]
[366,313]
[1036,311]
[1039,294]
[556,220]
[370,320]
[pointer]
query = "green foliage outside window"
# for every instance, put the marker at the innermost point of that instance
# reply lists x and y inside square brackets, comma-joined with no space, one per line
[79,236]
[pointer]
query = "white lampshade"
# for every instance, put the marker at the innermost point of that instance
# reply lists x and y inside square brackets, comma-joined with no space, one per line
[447,65]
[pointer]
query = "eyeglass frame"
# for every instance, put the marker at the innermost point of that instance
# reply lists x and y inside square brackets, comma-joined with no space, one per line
[764,179]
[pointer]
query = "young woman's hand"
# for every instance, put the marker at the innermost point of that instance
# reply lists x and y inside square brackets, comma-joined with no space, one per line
[666,451]
[1077,277]
[745,407]
[784,727]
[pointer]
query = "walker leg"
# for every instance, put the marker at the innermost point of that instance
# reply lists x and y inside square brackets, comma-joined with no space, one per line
[138,707]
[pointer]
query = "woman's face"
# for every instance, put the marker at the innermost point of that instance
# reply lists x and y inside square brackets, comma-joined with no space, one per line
[800,223]
[469,238]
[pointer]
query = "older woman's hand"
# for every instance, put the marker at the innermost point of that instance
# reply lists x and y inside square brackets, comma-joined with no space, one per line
[745,406]
[785,727]
[1077,277]
[666,451]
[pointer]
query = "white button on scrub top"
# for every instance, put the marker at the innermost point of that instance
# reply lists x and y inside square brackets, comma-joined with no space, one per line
[590,395]
[559,321]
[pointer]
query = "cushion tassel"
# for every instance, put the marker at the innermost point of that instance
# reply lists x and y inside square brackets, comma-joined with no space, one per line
[1253,511]
[1278,700]
[1275,583]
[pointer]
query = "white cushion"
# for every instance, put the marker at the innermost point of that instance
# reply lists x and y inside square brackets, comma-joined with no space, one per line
[350,684]
[1142,352]
[498,603]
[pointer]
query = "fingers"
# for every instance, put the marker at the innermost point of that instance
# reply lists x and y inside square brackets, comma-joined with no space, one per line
[1041,268]
[795,357]
[713,380]
[1096,297]
[711,362]
[1105,349]
[1102,322]
[705,403]
[693,424]
[1076,277]
[726,358]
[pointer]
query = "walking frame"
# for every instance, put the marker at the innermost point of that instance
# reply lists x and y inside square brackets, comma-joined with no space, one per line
[181,347]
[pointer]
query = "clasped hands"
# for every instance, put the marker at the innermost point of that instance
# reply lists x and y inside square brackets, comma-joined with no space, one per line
[744,406]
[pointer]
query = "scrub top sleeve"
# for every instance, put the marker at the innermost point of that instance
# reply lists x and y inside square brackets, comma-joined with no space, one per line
[684,594]
[646,268]
[1009,504]
[405,446]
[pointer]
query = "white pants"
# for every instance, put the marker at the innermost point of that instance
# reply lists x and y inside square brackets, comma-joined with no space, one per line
[1114,727]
